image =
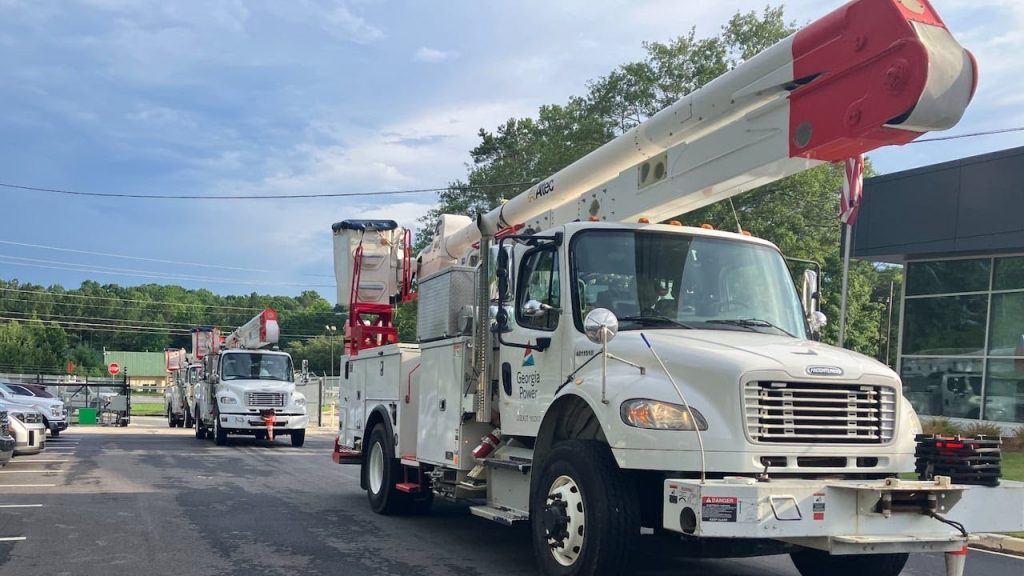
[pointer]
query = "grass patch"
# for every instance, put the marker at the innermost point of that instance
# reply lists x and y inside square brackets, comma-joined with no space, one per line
[1013,466]
[147,409]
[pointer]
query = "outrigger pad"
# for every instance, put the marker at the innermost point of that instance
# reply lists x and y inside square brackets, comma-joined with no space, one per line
[974,461]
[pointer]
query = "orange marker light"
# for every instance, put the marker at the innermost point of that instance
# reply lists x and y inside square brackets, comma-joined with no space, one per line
[707,226]
[746,233]
[674,223]
[644,220]
[595,218]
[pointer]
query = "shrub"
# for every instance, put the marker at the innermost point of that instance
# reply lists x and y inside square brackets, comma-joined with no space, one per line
[941,425]
[986,429]
[1015,441]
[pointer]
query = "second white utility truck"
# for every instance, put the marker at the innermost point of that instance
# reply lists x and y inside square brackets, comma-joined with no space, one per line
[584,368]
[249,387]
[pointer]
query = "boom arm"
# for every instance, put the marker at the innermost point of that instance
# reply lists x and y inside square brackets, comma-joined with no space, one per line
[870,74]
[261,331]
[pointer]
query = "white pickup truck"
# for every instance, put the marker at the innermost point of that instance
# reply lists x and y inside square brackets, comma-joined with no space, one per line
[55,414]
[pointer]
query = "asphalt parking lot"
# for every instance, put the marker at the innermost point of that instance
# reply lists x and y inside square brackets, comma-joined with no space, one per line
[152,500]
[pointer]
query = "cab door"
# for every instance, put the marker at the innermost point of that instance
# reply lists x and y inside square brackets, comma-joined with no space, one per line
[530,356]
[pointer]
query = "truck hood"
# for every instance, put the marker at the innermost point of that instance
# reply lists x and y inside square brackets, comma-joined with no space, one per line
[746,351]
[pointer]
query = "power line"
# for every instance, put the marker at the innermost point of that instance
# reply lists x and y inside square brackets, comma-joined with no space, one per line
[969,135]
[106,327]
[114,271]
[256,197]
[144,259]
[91,297]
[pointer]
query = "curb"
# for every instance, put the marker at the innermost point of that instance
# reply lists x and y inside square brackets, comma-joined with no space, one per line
[998,543]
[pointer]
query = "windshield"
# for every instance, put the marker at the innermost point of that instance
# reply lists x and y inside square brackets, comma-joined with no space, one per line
[256,367]
[659,280]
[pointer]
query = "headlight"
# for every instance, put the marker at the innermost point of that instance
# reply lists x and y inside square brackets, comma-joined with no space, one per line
[55,411]
[227,400]
[655,415]
[299,401]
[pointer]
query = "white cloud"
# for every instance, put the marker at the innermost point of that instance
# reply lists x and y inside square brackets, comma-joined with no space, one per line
[342,23]
[432,55]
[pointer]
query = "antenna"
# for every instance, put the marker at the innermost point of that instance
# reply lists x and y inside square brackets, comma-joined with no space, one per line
[696,426]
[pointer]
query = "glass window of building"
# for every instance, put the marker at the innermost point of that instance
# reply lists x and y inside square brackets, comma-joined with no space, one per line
[962,348]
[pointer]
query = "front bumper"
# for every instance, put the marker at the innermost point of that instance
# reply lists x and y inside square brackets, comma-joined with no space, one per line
[6,449]
[239,423]
[58,425]
[843,516]
[29,439]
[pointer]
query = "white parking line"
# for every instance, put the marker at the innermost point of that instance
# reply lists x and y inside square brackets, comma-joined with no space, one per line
[997,553]
[21,505]
[27,471]
[28,485]
[12,539]
[23,461]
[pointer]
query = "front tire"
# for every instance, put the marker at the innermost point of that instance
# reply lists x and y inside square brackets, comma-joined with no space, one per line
[170,417]
[584,513]
[200,428]
[298,438]
[55,432]
[381,472]
[220,435]
[816,562]
[189,422]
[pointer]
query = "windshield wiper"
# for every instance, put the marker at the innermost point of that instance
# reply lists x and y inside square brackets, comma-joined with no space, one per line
[751,324]
[655,319]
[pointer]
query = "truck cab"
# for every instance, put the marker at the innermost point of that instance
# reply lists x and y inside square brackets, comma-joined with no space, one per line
[249,392]
[53,410]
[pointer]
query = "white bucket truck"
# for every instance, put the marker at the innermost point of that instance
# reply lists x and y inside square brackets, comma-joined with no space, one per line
[625,374]
[249,388]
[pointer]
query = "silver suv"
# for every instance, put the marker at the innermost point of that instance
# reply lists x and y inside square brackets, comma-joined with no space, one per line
[55,415]
[26,426]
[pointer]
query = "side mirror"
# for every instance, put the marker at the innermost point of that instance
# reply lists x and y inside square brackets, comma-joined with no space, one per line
[809,292]
[305,367]
[600,325]
[501,272]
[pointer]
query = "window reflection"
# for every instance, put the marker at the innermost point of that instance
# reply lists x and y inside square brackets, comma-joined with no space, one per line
[1004,390]
[943,386]
[948,276]
[947,326]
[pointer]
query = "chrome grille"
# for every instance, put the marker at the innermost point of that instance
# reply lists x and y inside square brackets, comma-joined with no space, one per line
[265,399]
[29,417]
[3,423]
[810,413]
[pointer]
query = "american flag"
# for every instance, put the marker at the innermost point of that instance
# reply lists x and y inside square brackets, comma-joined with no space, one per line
[853,189]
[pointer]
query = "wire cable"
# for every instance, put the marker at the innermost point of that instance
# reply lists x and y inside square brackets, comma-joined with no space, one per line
[968,135]
[145,259]
[257,197]
[91,297]
[114,271]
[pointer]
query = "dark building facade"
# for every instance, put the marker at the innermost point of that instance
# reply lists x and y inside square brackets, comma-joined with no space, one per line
[958,229]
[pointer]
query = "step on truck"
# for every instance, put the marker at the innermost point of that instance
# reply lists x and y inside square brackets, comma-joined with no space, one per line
[588,366]
[248,386]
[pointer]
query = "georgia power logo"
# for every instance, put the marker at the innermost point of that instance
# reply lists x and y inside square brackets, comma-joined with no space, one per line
[528,355]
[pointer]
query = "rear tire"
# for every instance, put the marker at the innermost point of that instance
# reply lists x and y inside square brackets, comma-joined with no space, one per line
[261,435]
[189,422]
[381,471]
[584,513]
[816,562]
[298,438]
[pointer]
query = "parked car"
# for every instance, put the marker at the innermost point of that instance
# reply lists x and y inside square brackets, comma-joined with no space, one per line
[55,414]
[26,426]
[6,440]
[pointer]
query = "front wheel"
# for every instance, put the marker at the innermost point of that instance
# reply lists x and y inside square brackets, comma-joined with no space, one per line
[220,435]
[816,562]
[584,513]
[200,428]
[298,438]
[54,432]
[170,418]
[189,422]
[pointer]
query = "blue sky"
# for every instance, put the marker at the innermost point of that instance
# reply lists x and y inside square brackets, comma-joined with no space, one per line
[254,97]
